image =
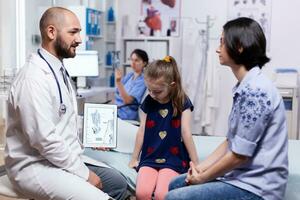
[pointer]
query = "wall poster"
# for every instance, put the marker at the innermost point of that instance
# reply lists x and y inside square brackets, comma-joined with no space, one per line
[161,17]
[259,10]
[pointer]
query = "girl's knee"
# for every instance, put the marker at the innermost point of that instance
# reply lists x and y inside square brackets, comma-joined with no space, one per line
[160,195]
[143,195]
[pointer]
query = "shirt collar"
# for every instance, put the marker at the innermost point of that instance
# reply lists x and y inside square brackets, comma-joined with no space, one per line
[248,77]
[55,63]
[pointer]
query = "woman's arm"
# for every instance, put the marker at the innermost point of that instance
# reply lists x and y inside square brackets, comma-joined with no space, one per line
[187,135]
[127,99]
[218,153]
[227,163]
[138,142]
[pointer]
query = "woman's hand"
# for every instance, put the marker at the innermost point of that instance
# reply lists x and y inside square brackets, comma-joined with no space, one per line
[133,163]
[118,75]
[194,175]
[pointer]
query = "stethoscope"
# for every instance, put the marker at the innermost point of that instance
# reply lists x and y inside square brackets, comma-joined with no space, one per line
[62,107]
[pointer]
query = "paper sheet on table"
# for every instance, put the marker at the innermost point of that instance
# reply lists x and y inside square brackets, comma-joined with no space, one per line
[125,136]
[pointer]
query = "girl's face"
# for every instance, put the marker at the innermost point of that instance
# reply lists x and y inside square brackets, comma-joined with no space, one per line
[224,57]
[137,63]
[159,89]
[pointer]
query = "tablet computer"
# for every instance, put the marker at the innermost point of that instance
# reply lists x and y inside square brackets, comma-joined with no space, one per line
[100,125]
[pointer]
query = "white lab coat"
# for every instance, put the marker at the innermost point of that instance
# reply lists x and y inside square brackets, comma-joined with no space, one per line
[200,77]
[43,150]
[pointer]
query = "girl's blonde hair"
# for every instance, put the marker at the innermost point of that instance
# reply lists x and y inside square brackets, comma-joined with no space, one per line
[167,68]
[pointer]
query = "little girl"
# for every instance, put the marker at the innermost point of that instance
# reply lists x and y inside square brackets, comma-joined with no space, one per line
[164,136]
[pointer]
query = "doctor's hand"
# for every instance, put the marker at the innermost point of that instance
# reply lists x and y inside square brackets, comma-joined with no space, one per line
[194,175]
[101,148]
[94,180]
[118,75]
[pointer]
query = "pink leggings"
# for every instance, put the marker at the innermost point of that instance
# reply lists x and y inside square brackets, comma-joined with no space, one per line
[150,180]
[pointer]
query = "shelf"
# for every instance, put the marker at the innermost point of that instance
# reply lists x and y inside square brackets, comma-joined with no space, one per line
[111,23]
[110,41]
[142,38]
[95,36]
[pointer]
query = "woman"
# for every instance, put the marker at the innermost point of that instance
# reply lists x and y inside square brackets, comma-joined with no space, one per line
[252,162]
[131,88]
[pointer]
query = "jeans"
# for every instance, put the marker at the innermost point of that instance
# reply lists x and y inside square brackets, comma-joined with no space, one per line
[214,190]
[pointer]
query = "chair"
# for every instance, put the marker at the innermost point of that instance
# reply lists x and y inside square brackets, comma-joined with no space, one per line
[136,122]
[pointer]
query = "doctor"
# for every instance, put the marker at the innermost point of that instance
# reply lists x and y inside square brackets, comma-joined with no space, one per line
[43,151]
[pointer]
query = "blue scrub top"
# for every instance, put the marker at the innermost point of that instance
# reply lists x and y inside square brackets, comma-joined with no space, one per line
[135,88]
[258,130]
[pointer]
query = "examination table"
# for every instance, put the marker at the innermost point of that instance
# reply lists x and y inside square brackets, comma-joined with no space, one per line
[119,159]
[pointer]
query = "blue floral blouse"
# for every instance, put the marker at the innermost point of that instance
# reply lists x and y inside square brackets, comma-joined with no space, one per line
[258,130]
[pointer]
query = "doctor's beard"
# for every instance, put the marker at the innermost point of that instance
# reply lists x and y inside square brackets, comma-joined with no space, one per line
[62,49]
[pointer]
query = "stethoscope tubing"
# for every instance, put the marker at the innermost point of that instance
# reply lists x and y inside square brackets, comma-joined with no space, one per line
[62,108]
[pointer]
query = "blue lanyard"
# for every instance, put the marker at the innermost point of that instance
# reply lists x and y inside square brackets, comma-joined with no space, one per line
[62,107]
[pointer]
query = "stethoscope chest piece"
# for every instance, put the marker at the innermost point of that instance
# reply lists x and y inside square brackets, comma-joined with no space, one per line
[62,109]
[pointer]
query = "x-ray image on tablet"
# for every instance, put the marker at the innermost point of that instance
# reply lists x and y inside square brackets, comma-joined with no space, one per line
[100,125]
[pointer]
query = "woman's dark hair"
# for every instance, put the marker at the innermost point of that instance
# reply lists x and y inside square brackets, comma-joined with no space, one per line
[141,54]
[245,42]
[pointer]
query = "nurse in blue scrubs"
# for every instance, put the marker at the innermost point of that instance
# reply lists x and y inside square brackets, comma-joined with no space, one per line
[131,88]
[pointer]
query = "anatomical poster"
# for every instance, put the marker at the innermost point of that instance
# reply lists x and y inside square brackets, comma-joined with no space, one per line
[161,17]
[259,10]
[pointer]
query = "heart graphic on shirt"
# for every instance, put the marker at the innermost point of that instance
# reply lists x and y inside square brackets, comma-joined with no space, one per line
[150,123]
[150,150]
[163,112]
[184,164]
[174,150]
[175,123]
[160,160]
[162,134]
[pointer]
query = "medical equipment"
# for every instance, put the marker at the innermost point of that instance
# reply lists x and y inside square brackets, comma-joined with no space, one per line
[62,108]
[286,80]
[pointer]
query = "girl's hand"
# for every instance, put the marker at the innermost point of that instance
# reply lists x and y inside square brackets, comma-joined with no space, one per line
[133,163]
[118,75]
[194,176]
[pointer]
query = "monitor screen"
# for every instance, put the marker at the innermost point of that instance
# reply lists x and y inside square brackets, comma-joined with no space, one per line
[85,63]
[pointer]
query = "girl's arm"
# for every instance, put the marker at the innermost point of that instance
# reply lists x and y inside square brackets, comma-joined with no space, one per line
[127,99]
[138,142]
[227,163]
[187,135]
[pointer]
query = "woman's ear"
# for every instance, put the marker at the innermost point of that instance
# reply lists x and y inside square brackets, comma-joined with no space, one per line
[173,84]
[241,49]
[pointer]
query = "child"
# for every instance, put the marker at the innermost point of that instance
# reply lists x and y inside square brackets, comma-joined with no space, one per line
[164,136]
[252,162]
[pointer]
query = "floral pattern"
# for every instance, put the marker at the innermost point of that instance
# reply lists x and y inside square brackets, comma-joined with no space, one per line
[249,106]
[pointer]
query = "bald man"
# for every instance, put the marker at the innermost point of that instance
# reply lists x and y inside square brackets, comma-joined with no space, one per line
[43,151]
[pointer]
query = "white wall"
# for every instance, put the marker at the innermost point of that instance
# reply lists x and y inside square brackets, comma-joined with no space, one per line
[7,34]
[284,43]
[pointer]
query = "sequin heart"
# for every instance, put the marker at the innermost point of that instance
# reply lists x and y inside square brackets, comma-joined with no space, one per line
[163,112]
[160,160]
[162,134]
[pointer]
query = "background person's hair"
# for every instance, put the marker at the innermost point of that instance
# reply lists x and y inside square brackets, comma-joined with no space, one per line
[245,42]
[169,71]
[141,54]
